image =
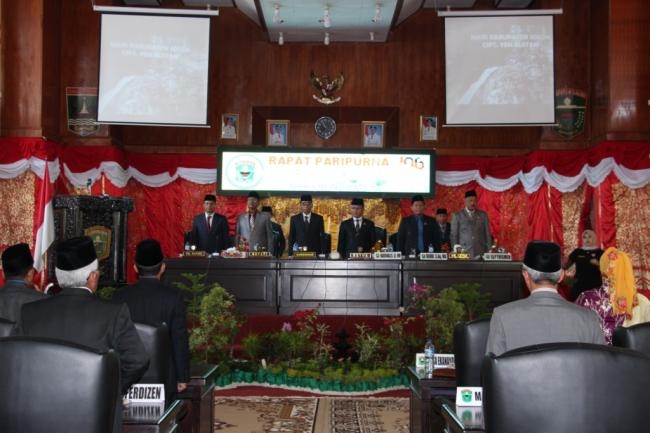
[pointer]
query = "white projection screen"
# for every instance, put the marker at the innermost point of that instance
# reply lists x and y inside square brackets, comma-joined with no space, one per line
[153,70]
[499,70]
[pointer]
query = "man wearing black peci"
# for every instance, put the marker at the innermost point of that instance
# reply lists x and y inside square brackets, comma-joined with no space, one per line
[153,303]
[442,232]
[306,228]
[415,231]
[78,316]
[279,242]
[17,265]
[356,234]
[210,231]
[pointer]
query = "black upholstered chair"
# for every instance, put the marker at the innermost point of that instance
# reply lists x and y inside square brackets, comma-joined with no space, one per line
[5,327]
[381,234]
[566,387]
[635,337]
[158,346]
[54,386]
[470,340]
[326,243]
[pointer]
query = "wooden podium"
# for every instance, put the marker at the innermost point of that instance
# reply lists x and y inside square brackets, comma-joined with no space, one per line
[103,218]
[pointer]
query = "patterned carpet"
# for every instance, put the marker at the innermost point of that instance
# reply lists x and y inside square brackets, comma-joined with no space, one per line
[311,415]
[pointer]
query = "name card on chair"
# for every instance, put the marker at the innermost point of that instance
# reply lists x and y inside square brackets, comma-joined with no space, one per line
[469,396]
[146,393]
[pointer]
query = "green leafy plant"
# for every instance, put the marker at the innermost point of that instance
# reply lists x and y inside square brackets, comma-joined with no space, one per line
[195,289]
[211,339]
[476,303]
[441,312]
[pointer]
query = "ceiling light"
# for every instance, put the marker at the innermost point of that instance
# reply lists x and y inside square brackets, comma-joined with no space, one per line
[372,36]
[326,18]
[377,16]
[326,41]
[281,39]
[276,14]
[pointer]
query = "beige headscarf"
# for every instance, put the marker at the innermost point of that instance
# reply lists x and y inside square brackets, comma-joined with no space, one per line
[616,266]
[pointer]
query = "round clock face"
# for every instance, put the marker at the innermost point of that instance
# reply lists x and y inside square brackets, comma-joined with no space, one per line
[325,127]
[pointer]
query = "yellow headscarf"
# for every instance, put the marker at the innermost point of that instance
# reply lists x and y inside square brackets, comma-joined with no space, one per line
[616,266]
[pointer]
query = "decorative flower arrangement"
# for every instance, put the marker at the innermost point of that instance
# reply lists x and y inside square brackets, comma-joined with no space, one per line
[442,310]
[243,244]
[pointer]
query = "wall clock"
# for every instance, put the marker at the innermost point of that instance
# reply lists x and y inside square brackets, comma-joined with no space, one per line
[325,127]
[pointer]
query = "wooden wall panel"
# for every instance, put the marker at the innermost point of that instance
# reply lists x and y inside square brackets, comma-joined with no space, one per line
[629,69]
[22,68]
[407,72]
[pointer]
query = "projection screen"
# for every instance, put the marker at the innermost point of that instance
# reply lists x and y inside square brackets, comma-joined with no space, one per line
[499,70]
[153,70]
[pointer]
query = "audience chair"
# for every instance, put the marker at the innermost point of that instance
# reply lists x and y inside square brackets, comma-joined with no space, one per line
[53,386]
[566,387]
[158,346]
[392,240]
[5,327]
[380,235]
[635,337]
[326,243]
[470,340]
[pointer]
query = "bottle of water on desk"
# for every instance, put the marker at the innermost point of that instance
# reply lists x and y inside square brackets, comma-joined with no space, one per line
[429,352]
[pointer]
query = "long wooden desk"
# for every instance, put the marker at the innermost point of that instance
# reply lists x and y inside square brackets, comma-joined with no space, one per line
[342,287]
[198,397]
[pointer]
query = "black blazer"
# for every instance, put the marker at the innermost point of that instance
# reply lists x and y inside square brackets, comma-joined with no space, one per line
[151,302]
[350,240]
[303,234]
[78,316]
[407,234]
[213,240]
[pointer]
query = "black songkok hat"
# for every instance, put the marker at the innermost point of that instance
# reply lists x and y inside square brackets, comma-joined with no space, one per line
[305,197]
[441,211]
[268,209]
[210,197]
[417,197]
[17,259]
[357,201]
[543,256]
[148,253]
[254,194]
[470,193]
[75,253]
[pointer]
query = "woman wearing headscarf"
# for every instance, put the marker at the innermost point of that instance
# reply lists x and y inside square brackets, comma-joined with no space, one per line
[616,301]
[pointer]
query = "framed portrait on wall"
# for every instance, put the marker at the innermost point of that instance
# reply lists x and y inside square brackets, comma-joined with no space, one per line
[277,132]
[372,133]
[229,126]
[428,128]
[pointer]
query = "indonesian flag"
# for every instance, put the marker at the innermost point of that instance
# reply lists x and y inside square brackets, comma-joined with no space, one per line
[43,221]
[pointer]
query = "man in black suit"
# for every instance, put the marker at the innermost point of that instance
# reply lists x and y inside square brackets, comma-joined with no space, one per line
[77,315]
[17,265]
[210,231]
[306,228]
[153,303]
[279,242]
[442,232]
[415,233]
[356,234]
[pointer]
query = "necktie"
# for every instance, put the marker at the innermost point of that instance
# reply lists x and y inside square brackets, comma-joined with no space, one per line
[251,221]
[209,222]
[357,224]
[306,219]
[420,234]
